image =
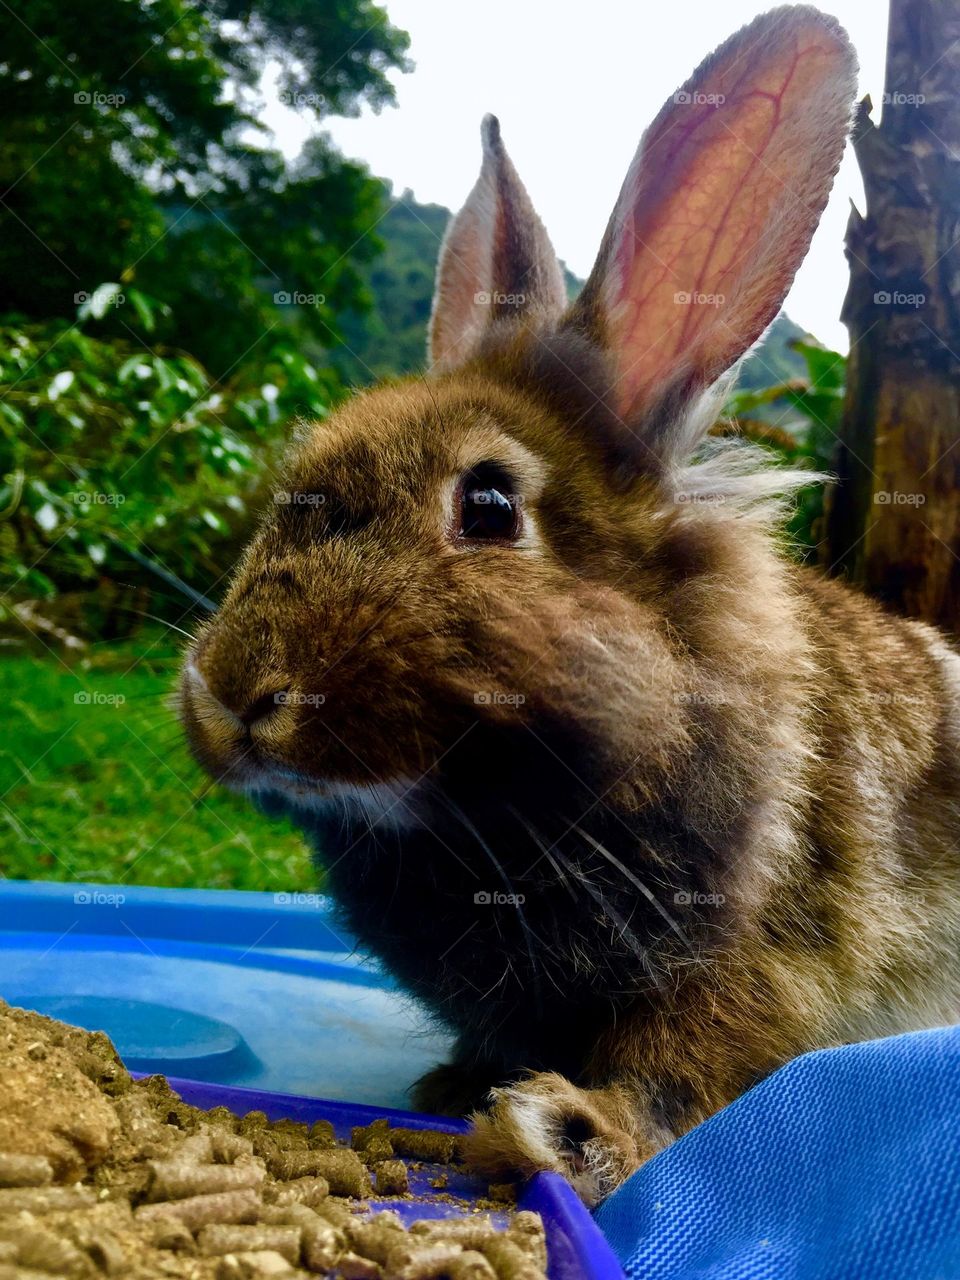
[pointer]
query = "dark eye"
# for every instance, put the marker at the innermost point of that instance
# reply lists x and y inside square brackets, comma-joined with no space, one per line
[489,507]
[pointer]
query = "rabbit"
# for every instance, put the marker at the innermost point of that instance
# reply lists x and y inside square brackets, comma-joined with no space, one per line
[637,807]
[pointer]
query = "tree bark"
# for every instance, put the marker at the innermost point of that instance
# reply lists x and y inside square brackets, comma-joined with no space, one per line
[893,523]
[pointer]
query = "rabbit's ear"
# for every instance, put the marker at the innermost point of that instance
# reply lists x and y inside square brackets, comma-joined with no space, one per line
[715,216]
[496,260]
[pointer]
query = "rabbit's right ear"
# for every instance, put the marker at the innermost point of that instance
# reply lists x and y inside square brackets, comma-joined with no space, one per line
[714,218]
[496,261]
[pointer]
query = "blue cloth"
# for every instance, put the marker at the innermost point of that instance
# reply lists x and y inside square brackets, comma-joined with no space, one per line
[843,1164]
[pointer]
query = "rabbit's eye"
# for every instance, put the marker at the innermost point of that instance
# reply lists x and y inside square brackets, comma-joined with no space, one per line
[489,509]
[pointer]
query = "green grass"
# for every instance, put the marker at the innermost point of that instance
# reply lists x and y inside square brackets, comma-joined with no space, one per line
[96,782]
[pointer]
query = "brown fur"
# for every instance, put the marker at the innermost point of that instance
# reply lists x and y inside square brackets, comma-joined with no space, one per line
[773,756]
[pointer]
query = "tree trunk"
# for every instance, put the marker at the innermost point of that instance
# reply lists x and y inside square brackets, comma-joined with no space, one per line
[893,523]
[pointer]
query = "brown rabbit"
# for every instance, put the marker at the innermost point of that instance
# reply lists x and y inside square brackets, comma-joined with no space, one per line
[632,803]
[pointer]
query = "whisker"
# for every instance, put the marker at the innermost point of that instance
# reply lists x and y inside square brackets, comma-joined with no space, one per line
[611,913]
[637,883]
[521,915]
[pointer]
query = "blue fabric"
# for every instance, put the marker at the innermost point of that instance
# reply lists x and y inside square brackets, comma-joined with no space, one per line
[843,1164]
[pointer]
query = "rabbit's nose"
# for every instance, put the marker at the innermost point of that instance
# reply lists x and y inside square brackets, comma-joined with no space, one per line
[262,707]
[234,703]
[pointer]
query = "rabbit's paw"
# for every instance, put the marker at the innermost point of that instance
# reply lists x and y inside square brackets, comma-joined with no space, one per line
[589,1136]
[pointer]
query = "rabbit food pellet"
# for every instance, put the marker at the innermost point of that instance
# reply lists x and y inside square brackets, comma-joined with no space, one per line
[101,1175]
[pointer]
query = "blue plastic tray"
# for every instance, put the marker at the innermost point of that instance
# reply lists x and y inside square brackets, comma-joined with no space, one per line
[261,1003]
[253,989]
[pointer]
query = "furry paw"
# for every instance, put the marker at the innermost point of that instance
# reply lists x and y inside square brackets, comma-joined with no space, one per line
[590,1136]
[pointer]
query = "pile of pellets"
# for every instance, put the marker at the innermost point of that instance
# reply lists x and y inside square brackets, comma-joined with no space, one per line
[101,1175]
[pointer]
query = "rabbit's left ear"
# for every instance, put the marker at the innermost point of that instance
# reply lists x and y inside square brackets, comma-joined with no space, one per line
[496,261]
[715,216]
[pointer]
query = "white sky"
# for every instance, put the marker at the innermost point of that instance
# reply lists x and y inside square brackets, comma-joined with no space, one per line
[574,85]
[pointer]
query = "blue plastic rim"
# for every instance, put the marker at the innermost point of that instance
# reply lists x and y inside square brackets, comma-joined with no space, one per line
[252,1001]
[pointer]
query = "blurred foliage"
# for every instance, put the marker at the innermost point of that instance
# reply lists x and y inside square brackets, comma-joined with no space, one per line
[113,455]
[133,152]
[799,421]
[170,284]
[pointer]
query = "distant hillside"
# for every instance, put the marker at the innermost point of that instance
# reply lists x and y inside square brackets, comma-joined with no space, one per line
[775,361]
[391,338]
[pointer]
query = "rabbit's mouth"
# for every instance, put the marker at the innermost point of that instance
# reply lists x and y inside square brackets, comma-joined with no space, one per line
[391,805]
[245,752]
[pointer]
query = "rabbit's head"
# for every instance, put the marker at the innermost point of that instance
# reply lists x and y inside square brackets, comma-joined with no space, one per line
[503,573]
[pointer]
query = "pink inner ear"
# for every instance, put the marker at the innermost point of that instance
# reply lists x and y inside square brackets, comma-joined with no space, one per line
[720,204]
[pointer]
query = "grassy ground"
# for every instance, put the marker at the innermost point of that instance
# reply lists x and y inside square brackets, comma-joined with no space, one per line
[96,782]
